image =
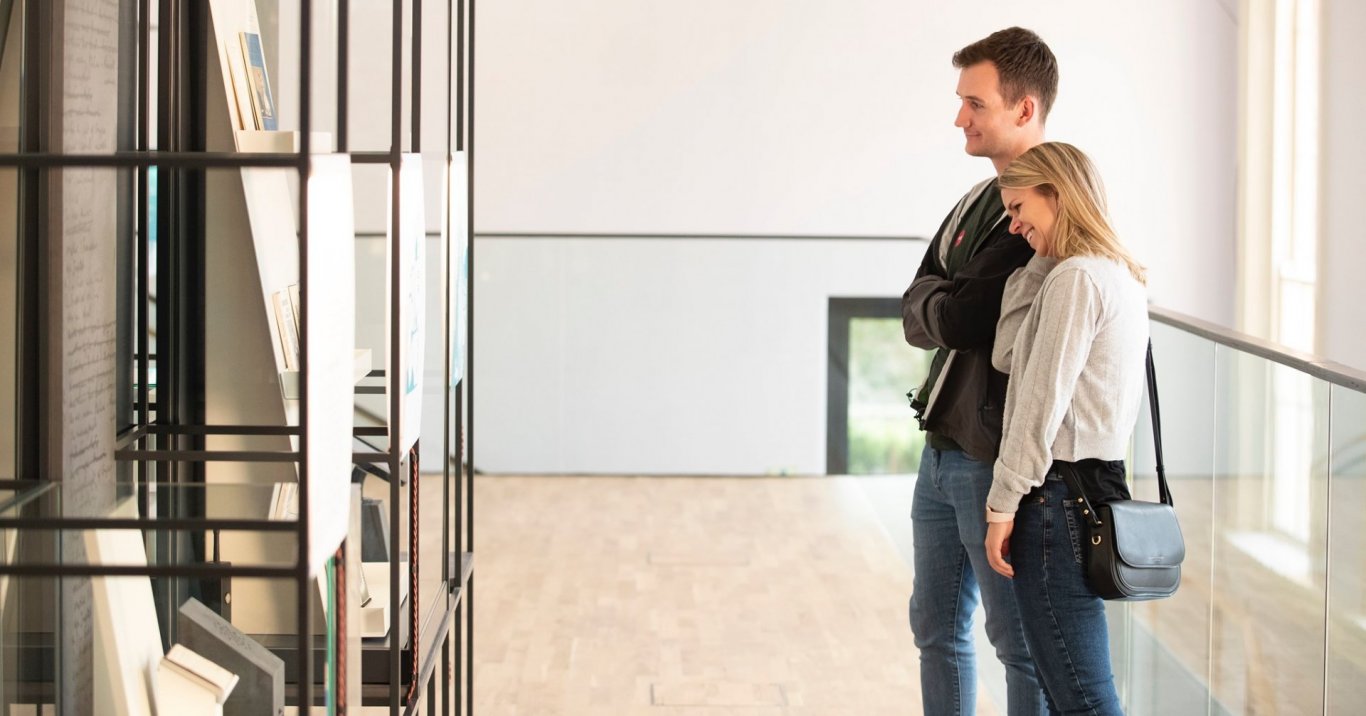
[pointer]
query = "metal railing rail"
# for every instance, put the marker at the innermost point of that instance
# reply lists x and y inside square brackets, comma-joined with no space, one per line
[1316,366]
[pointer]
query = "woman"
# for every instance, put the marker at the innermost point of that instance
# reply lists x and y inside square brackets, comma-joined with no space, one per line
[1072,335]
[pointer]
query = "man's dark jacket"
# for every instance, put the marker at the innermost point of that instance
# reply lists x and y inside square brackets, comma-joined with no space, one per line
[957,310]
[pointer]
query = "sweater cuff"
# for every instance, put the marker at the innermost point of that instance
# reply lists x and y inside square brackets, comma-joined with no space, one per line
[994,516]
[1002,497]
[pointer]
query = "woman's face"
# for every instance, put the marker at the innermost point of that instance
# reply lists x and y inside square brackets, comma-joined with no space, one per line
[1032,214]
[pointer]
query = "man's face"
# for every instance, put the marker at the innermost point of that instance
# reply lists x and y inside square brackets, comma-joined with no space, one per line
[987,122]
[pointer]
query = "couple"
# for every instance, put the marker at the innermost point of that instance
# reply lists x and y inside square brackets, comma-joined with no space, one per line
[1039,318]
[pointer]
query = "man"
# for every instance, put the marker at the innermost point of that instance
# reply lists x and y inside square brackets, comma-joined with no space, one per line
[1006,85]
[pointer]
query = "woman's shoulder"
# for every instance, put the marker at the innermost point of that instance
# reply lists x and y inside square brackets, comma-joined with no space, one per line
[1104,278]
[1075,271]
[1096,269]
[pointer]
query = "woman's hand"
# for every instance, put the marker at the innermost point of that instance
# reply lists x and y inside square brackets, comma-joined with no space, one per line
[998,547]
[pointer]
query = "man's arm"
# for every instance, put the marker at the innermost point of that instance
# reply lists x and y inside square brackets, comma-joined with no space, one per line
[961,313]
[928,279]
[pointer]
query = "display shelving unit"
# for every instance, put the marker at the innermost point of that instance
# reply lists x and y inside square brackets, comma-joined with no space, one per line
[221,218]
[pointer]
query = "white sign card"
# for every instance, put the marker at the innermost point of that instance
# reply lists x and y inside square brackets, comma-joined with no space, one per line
[458,183]
[330,305]
[405,369]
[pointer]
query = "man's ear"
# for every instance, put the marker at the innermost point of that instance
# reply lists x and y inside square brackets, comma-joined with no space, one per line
[1026,110]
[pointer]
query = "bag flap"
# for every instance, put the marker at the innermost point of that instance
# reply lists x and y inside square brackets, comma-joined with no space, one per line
[1147,533]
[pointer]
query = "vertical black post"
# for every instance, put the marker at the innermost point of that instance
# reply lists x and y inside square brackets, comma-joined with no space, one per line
[143,350]
[167,299]
[305,626]
[837,389]
[462,688]
[128,225]
[449,572]
[415,79]
[192,86]
[37,98]
[460,76]
[469,378]
[343,74]
[393,373]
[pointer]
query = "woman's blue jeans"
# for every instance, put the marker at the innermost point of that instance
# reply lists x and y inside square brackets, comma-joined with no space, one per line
[948,516]
[1064,621]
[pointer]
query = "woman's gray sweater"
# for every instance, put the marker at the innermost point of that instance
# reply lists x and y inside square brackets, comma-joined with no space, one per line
[1073,336]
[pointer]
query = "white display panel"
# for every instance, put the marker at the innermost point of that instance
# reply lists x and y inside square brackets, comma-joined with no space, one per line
[330,301]
[458,253]
[127,637]
[405,368]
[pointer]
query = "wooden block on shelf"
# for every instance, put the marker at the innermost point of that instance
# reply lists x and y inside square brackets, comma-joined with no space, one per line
[374,618]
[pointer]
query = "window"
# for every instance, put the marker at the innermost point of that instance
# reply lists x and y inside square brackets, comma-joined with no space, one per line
[1278,234]
[871,429]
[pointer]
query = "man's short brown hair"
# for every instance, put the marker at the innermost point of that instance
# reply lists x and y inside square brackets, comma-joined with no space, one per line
[1023,62]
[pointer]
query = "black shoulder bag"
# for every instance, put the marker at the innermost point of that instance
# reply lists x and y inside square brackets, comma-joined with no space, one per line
[1136,548]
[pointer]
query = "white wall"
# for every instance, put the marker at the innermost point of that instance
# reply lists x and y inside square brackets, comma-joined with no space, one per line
[1342,255]
[774,117]
[771,117]
[663,356]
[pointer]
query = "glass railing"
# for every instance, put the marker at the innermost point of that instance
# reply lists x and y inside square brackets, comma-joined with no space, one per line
[1265,450]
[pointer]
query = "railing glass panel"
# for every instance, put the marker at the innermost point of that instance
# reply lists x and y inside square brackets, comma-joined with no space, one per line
[1266,455]
[1346,624]
[1161,649]
[1270,506]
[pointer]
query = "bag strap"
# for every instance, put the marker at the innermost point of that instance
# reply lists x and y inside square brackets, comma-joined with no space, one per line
[1164,492]
[1069,475]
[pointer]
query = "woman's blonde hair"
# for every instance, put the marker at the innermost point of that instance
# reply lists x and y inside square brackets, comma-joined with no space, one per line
[1060,170]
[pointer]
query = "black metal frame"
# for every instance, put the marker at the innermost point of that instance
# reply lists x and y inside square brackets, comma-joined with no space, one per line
[167,444]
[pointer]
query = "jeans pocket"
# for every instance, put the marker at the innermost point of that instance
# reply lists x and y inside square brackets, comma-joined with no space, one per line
[1076,528]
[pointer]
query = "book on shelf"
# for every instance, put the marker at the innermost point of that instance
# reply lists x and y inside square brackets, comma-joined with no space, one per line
[241,89]
[284,501]
[288,329]
[263,104]
[363,589]
[296,305]
[198,672]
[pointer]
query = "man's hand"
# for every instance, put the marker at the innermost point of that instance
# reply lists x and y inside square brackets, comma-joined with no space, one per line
[998,547]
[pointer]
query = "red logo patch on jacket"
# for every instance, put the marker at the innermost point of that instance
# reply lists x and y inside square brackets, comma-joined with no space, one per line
[959,239]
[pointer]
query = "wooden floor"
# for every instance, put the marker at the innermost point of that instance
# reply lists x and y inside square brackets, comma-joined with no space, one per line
[689,596]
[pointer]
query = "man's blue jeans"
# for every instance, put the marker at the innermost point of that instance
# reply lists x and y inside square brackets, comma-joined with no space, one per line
[948,516]
[1064,620]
